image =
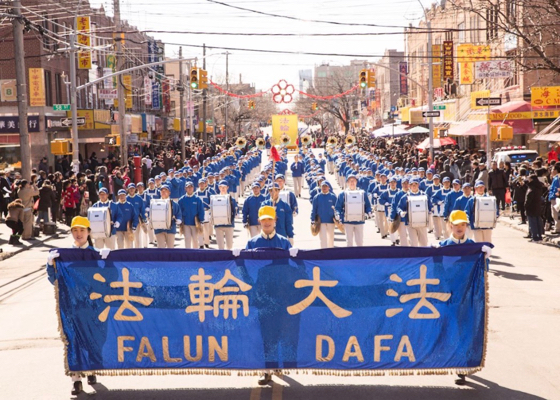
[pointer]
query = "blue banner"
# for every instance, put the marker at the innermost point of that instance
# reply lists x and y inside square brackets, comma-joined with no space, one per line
[369,309]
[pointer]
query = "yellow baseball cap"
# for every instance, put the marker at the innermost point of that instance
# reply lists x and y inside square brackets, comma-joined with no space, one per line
[458,217]
[267,212]
[80,222]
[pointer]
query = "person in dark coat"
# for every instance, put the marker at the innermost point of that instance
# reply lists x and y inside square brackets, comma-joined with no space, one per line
[533,208]
[519,192]
[47,199]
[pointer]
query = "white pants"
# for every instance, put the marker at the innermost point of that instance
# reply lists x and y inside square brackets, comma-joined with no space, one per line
[253,230]
[102,243]
[381,221]
[403,236]
[326,235]
[151,235]
[438,227]
[204,239]
[165,240]
[224,234]
[482,235]
[297,185]
[354,234]
[144,236]
[330,166]
[555,216]
[138,233]
[191,236]
[123,242]
[430,224]
[418,236]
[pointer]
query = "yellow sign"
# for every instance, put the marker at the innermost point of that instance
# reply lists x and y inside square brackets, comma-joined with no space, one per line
[545,96]
[83,39]
[405,114]
[284,125]
[466,72]
[89,116]
[478,95]
[473,52]
[436,68]
[127,82]
[37,87]
[548,114]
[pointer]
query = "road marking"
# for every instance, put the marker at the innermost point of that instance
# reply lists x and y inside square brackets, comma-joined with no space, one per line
[256,393]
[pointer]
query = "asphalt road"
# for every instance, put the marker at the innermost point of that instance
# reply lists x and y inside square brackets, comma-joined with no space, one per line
[523,358]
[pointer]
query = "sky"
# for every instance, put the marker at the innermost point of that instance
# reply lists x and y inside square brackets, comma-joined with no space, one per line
[387,20]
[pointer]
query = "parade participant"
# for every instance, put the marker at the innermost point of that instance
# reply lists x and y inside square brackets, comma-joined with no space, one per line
[461,202]
[151,193]
[418,235]
[139,206]
[436,215]
[459,222]
[251,208]
[192,213]
[386,200]
[284,217]
[439,201]
[80,229]
[451,197]
[106,242]
[126,221]
[166,237]
[323,212]
[403,236]
[297,174]
[268,237]
[224,232]
[204,193]
[380,218]
[287,195]
[480,234]
[354,229]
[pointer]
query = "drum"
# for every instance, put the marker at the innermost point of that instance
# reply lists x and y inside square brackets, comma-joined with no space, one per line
[207,216]
[354,207]
[485,212]
[161,214]
[418,211]
[284,195]
[220,207]
[100,222]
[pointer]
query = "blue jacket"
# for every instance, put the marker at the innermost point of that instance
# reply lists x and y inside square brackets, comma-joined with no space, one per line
[451,242]
[450,202]
[251,209]
[176,211]
[554,188]
[386,199]
[297,169]
[126,213]
[276,242]
[177,188]
[461,203]
[292,201]
[431,191]
[191,206]
[403,204]
[395,204]
[284,218]
[139,205]
[324,207]
[340,208]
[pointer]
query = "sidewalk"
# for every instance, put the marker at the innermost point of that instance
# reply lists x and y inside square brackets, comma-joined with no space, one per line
[513,220]
[9,250]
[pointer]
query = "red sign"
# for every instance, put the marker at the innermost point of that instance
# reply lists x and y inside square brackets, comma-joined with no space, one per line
[403,82]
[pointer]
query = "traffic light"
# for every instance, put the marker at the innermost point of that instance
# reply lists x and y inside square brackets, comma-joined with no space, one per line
[371,79]
[203,79]
[194,78]
[314,107]
[364,79]
[251,105]
[61,147]
[113,140]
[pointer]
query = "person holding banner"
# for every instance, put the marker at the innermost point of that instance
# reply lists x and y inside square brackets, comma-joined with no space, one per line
[191,209]
[166,237]
[268,236]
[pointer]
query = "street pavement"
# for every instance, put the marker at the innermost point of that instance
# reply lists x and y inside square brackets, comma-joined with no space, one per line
[523,357]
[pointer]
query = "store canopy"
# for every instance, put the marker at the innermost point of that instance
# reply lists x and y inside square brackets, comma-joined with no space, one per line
[390,130]
[466,128]
[520,127]
[551,133]
[445,141]
[419,129]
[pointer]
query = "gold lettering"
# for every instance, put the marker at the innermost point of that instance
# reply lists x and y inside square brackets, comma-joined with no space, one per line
[319,348]
[214,348]
[187,345]
[121,348]
[353,350]
[409,353]
[165,346]
[378,348]
[145,350]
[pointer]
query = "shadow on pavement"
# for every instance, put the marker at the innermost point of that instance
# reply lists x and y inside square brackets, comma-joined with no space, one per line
[514,276]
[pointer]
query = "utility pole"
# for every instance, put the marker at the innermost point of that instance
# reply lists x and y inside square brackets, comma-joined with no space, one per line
[182,103]
[120,87]
[204,91]
[73,102]
[430,85]
[191,107]
[227,102]
[19,52]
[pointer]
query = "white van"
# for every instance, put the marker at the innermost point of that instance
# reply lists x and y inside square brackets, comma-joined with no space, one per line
[515,155]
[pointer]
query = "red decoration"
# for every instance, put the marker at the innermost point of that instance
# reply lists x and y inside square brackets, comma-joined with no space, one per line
[282,92]
[274,154]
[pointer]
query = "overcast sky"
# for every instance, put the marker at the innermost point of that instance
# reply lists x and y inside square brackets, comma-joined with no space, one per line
[266,69]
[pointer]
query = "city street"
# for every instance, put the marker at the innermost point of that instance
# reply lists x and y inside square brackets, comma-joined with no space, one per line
[523,356]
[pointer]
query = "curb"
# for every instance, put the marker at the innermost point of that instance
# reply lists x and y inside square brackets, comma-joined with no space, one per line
[10,251]
[548,240]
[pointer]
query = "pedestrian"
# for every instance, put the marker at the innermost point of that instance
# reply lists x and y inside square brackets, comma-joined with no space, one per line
[68,201]
[26,193]
[47,199]
[554,197]
[534,208]
[14,221]
[497,184]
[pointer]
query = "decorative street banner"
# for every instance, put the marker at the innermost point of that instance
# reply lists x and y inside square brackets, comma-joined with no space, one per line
[284,125]
[369,310]
[493,69]
[448,59]
[403,82]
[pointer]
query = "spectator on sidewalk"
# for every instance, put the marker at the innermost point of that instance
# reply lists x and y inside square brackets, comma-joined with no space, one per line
[15,220]
[534,209]
[26,193]
[47,199]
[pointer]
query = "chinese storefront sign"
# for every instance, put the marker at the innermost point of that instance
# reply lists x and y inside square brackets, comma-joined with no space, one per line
[83,39]
[493,69]
[448,59]
[403,80]
[466,73]
[11,124]
[545,96]
[37,87]
[436,66]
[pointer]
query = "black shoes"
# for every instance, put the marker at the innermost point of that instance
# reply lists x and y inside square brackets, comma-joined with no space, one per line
[77,388]
[91,380]
[265,379]
[461,380]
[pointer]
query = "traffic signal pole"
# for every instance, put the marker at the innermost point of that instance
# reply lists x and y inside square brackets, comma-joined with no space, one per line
[120,89]
[73,102]
[204,92]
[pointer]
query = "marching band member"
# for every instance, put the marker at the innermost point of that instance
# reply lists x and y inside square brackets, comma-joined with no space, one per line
[145,231]
[224,232]
[297,174]
[204,193]
[251,208]
[354,230]
[284,217]
[380,217]
[451,197]
[403,236]
[104,201]
[151,193]
[323,211]
[440,198]
[191,209]
[126,221]
[437,200]
[166,237]
[287,195]
[386,200]
[418,236]
[461,202]
[138,204]
[480,234]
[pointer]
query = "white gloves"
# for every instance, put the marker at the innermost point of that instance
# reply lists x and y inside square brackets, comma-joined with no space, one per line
[178,222]
[403,214]
[117,224]
[236,252]
[52,255]
[387,204]
[375,195]
[293,252]
[487,250]
[435,246]
[104,253]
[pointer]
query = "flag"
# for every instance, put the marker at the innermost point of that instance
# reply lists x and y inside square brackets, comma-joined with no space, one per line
[274,154]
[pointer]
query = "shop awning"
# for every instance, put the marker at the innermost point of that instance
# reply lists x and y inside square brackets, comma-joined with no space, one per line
[444,141]
[520,127]
[466,128]
[551,133]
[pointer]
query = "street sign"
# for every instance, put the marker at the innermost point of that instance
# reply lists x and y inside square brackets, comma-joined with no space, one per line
[68,121]
[61,107]
[488,101]
[427,114]
[439,107]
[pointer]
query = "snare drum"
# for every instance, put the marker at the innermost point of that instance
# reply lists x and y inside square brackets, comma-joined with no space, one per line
[220,207]
[100,222]
[418,211]
[161,214]
[354,207]
[485,212]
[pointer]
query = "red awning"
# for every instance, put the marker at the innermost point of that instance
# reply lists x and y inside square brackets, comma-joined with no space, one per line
[520,127]
[444,141]
[512,106]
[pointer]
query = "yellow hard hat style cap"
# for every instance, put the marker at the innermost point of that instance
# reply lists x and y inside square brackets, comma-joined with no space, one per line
[267,212]
[80,222]
[458,217]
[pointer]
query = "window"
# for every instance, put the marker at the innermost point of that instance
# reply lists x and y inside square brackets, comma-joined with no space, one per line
[474,29]
[449,36]
[48,89]
[58,88]
[492,13]
[511,11]
[46,39]
[461,27]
